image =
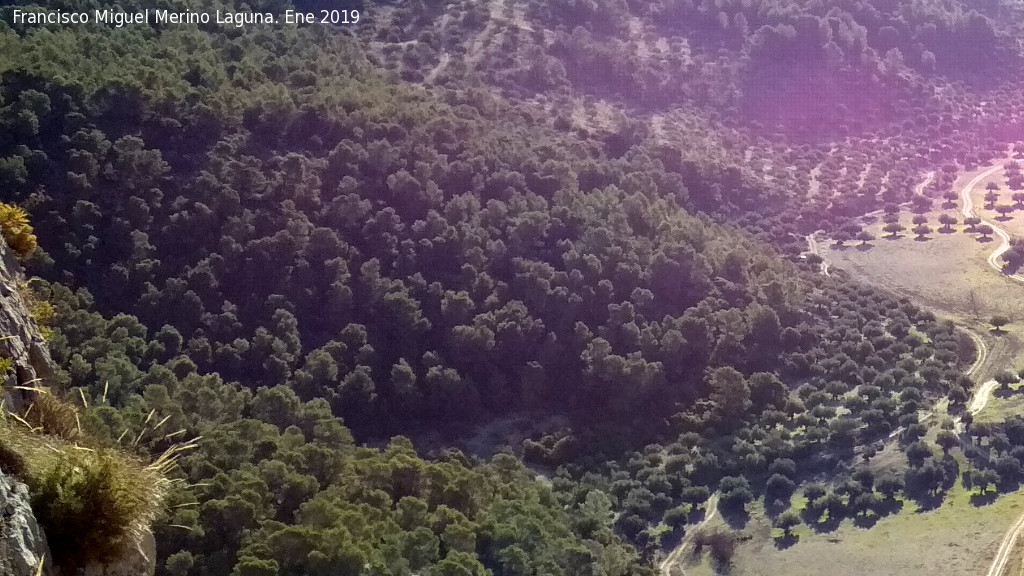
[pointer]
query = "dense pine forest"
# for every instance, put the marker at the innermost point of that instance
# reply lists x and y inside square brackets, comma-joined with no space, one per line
[336,265]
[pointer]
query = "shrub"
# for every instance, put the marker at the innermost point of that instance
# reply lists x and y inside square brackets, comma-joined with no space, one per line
[52,416]
[677,516]
[42,312]
[16,230]
[92,502]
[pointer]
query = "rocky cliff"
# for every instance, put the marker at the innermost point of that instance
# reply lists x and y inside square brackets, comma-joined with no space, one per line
[23,545]
[22,542]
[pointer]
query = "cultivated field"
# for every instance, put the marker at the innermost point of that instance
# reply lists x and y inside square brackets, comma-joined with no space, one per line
[949,273]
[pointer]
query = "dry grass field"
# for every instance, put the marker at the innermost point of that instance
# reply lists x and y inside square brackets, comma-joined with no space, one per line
[947,272]
[956,538]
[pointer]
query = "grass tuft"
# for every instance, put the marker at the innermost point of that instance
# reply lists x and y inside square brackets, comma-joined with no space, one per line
[93,502]
[54,417]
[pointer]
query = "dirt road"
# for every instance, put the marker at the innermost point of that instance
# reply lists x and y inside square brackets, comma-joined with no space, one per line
[1005,547]
[1004,236]
[673,558]
[983,393]
[812,248]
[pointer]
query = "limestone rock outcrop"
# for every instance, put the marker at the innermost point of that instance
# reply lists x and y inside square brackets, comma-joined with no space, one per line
[22,542]
[20,339]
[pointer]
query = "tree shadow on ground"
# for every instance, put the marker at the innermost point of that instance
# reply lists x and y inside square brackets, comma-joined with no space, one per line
[1007,486]
[866,520]
[1002,393]
[865,246]
[775,507]
[984,239]
[946,231]
[786,541]
[979,500]
[671,539]
[926,501]
[922,238]
[736,519]
[696,516]
[893,236]
[816,523]
[888,507]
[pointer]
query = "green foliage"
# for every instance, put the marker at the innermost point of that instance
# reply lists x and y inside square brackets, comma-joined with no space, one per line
[252,237]
[16,230]
[92,503]
[41,311]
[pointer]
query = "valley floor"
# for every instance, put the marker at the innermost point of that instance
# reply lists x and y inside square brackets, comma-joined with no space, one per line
[954,273]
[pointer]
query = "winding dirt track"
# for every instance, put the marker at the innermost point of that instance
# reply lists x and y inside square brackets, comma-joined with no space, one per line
[981,397]
[673,558]
[1004,236]
[1005,547]
[983,393]
[812,248]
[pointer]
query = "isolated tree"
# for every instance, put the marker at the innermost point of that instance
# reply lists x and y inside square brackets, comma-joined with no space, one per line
[1005,378]
[864,477]
[863,502]
[972,223]
[735,492]
[985,230]
[991,186]
[813,491]
[841,237]
[1018,198]
[947,222]
[894,228]
[920,219]
[786,522]
[694,495]
[888,486]
[998,321]
[1004,209]
[865,237]
[922,230]
[981,479]
[947,439]
[990,199]
[779,487]
[920,204]
[917,452]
